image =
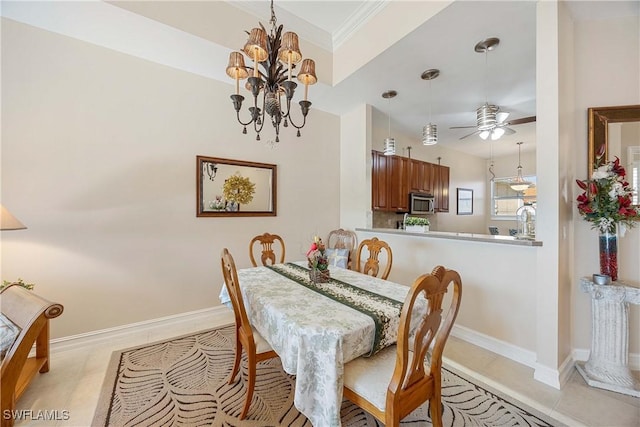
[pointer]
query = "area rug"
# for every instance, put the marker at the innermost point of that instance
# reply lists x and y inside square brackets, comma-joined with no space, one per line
[183,382]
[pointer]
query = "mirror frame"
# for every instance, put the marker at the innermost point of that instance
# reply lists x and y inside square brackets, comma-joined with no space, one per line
[599,119]
[200,212]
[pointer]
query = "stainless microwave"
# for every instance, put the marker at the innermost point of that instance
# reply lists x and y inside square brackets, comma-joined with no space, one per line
[421,204]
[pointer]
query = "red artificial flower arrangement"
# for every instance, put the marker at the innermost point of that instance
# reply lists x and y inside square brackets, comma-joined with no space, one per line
[607,197]
[316,255]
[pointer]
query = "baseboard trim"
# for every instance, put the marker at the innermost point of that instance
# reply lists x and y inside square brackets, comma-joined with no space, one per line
[510,351]
[582,355]
[94,337]
[551,377]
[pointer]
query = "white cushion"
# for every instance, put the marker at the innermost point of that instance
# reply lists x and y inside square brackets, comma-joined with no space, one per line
[262,346]
[369,377]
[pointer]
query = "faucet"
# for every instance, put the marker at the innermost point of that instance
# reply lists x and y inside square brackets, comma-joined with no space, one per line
[404,220]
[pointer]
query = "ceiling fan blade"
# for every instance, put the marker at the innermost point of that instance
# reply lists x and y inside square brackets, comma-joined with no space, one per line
[501,117]
[462,127]
[521,121]
[473,133]
[508,131]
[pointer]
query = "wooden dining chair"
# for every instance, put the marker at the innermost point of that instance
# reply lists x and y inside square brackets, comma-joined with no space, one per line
[394,382]
[343,239]
[372,265]
[247,338]
[266,242]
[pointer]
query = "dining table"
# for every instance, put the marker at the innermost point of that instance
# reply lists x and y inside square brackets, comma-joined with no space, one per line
[316,328]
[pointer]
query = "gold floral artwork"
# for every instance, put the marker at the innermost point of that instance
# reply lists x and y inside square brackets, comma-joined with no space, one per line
[238,189]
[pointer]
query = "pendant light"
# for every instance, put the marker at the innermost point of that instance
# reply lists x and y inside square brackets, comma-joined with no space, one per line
[488,116]
[430,131]
[519,184]
[389,143]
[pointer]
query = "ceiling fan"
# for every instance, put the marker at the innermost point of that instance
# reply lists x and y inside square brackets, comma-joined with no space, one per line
[490,121]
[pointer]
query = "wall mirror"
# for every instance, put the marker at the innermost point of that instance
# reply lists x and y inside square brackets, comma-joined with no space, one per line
[618,129]
[235,188]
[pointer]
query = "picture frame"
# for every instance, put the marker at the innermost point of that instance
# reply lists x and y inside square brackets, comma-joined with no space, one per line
[258,179]
[465,201]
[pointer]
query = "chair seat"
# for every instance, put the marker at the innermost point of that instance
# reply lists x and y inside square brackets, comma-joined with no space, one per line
[262,346]
[370,376]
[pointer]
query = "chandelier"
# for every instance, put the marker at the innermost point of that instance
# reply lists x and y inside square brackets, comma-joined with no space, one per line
[277,53]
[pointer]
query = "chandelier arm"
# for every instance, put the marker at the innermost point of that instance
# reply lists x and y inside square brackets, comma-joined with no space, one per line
[241,122]
[255,122]
[304,118]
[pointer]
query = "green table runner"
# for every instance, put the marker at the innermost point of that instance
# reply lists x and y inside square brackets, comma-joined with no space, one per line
[380,308]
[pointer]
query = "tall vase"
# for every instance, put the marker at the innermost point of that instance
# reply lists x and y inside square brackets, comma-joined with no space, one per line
[608,245]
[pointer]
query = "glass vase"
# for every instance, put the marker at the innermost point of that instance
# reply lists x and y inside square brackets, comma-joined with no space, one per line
[608,245]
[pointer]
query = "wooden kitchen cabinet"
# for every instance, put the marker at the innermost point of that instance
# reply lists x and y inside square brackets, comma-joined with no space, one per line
[394,177]
[441,188]
[421,177]
[398,169]
[379,182]
[389,183]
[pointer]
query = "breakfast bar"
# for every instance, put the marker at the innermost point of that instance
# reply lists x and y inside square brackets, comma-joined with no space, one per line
[499,277]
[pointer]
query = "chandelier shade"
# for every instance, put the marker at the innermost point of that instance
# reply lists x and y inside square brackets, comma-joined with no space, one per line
[290,50]
[271,84]
[256,46]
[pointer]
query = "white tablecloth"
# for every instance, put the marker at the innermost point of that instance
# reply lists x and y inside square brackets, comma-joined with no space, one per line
[313,335]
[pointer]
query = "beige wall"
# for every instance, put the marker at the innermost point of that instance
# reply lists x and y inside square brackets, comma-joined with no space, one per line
[98,160]
[607,66]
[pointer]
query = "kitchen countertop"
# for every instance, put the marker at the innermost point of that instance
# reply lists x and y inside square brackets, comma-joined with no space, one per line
[472,237]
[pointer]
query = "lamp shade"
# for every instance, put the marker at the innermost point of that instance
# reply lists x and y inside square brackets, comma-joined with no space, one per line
[256,46]
[8,221]
[236,68]
[389,146]
[290,50]
[307,73]
[430,134]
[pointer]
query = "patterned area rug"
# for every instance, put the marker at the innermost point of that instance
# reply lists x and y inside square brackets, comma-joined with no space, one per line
[183,382]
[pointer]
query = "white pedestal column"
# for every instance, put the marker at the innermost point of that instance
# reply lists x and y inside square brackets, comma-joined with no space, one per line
[608,366]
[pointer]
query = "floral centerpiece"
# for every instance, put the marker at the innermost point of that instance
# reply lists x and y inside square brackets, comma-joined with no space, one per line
[607,203]
[318,261]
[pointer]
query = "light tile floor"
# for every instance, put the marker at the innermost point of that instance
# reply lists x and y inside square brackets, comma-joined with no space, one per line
[75,380]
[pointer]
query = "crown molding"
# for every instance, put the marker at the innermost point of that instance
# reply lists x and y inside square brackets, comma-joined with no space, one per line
[361,16]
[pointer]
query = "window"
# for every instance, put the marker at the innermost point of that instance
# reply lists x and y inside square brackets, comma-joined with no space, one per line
[506,201]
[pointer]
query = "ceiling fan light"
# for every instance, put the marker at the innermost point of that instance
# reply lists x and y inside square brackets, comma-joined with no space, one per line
[497,133]
[389,146]
[484,134]
[429,134]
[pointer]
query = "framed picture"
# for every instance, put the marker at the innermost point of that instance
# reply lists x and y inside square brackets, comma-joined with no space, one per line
[229,188]
[465,201]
